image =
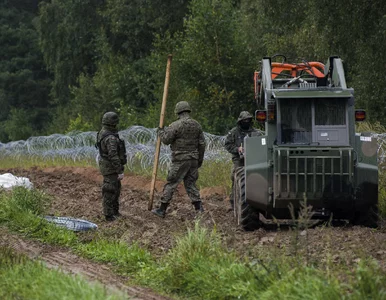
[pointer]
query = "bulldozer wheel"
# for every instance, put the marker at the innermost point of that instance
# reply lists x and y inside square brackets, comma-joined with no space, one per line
[367,217]
[366,211]
[247,217]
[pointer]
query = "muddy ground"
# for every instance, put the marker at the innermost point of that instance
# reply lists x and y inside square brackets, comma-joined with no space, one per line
[76,193]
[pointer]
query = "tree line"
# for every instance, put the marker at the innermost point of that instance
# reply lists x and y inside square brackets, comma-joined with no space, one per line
[63,63]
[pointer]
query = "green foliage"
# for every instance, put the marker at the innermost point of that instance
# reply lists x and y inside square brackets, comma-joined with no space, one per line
[215,173]
[98,55]
[304,283]
[211,69]
[21,211]
[21,278]
[375,127]
[199,267]
[119,86]
[18,127]
[23,200]
[68,31]
[135,39]
[78,124]
[111,55]
[369,281]
[24,83]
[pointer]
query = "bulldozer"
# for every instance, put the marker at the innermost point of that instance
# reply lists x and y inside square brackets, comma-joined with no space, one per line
[308,151]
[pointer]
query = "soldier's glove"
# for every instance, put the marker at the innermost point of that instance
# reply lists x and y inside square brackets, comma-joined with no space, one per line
[200,164]
[120,176]
[159,130]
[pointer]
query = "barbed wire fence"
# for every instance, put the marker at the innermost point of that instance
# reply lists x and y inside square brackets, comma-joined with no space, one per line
[140,146]
[80,146]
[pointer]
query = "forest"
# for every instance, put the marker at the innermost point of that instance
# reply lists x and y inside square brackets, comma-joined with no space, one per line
[63,63]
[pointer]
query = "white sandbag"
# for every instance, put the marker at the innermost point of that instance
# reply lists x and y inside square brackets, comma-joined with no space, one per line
[8,181]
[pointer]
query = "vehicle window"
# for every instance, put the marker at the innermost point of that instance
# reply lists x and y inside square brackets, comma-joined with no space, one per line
[330,112]
[296,121]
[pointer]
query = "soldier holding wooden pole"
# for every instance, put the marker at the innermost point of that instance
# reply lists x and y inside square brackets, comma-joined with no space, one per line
[187,142]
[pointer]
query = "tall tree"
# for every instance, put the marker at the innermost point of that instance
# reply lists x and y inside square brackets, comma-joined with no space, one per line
[24,82]
[211,66]
[123,80]
[68,33]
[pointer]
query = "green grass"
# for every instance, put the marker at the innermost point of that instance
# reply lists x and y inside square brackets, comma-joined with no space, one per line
[21,278]
[29,162]
[21,210]
[127,258]
[215,173]
[212,173]
[200,267]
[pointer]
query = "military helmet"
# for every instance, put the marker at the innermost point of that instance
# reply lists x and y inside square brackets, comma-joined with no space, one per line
[244,115]
[181,107]
[110,118]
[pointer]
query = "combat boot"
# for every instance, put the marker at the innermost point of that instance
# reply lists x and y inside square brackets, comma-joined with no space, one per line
[111,218]
[198,207]
[232,203]
[161,211]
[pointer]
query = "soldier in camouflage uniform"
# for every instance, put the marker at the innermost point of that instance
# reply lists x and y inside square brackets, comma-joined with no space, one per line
[186,140]
[112,159]
[233,144]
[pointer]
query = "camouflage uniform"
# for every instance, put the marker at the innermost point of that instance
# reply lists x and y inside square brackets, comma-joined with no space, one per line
[112,158]
[187,142]
[233,141]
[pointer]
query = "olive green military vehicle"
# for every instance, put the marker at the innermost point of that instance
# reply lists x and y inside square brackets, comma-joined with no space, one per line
[309,150]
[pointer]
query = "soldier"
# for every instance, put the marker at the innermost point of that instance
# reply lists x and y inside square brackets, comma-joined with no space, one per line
[112,159]
[234,144]
[187,142]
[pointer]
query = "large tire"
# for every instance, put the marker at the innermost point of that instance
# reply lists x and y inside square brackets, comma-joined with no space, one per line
[366,206]
[368,217]
[246,216]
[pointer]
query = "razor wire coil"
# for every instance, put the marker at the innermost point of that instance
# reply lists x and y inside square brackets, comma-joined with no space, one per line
[140,147]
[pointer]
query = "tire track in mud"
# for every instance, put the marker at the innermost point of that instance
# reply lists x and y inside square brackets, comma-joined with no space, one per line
[64,260]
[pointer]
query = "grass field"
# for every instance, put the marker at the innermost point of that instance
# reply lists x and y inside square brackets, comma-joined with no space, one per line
[199,266]
[22,278]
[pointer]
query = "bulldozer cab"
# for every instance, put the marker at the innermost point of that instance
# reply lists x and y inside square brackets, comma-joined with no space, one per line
[312,121]
[309,149]
[304,103]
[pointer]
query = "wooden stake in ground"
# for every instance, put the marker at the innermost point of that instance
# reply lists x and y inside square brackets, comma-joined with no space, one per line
[161,124]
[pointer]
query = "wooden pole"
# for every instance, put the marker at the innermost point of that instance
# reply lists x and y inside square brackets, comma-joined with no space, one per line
[161,124]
